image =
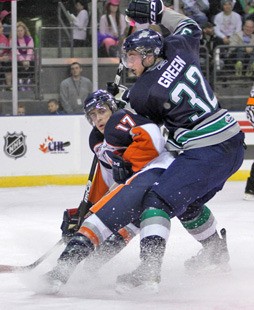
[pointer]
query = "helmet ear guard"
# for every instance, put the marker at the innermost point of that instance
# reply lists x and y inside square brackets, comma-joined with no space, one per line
[97,100]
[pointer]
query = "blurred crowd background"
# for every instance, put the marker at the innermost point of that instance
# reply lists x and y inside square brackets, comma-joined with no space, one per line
[54,52]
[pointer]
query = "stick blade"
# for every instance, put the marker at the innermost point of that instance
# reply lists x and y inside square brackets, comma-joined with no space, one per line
[11,269]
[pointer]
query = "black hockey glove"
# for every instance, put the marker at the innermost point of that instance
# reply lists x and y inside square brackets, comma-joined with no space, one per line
[69,224]
[120,92]
[112,88]
[145,11]
[121,169]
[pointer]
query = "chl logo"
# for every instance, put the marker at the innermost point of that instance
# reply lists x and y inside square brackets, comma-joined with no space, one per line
[54,147]
[15,145]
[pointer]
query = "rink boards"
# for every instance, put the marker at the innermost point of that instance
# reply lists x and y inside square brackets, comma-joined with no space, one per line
[39,150]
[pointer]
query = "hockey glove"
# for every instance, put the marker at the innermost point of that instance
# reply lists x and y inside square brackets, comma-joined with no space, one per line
[250,113]
[69,224]
[145,11]
[120,92]
[121,169]
[112,88]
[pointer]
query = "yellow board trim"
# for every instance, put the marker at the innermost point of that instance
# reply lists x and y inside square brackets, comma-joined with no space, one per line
[44,180]
[240,175]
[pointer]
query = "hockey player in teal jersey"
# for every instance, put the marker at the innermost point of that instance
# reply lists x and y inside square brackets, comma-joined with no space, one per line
[172,90]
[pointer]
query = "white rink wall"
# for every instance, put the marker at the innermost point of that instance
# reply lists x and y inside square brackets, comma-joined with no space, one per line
[44,145]
[37,146]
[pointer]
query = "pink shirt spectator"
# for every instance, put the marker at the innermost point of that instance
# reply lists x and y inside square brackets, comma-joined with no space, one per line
[28,53]
[105,28]
[4,42]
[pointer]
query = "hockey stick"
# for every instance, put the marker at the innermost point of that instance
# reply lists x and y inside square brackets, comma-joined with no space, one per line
[83,207]
[10,268]
[114,85]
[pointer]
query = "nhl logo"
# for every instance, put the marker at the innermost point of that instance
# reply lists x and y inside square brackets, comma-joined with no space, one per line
[14,145]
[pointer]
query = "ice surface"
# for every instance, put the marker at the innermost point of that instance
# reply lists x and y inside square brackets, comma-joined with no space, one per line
[29,226]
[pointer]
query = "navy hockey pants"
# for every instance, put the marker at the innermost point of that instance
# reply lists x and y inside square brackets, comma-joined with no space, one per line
[196,176]
[124,205]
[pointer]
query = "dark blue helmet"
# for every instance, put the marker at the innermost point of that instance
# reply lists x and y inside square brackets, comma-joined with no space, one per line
[97,100]
[145,41]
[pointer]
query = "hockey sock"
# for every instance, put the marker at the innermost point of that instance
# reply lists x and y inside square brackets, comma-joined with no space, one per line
[155,229]
[77,249]
[112,246]
[202,226]
[152,248]
[154,222]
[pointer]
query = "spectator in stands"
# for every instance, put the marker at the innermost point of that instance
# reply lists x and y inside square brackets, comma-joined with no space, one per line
[227,22]
[5,59]
[244,55]
[214,8]
[80,23]
[21,110]
[25,56]
[54,107]
[196,9]
[209,40]
[5,18]
[240,7]
[112,26]
[74,90]
[249,10]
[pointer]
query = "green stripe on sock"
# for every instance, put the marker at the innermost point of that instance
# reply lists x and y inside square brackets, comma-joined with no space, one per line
[198,221]
[160,220]
[154,212]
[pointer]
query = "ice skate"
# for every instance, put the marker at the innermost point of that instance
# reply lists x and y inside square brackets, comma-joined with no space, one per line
[249,190]
[249,195]
[76,250]
[213,257]
[145,276]
[50,283]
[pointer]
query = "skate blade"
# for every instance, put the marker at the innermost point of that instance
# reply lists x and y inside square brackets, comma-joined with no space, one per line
[46,287]
[248,197]
[211,270]
[123,288]
[145,287]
